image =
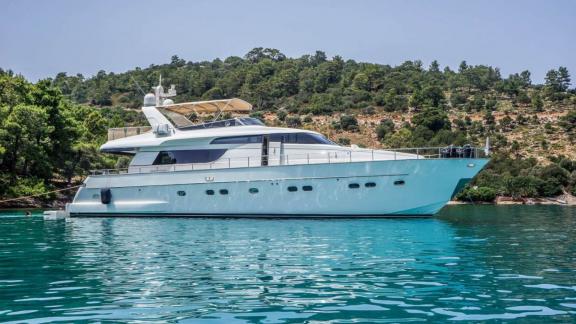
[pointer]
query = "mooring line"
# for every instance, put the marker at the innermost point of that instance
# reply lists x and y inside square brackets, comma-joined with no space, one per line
[37,195]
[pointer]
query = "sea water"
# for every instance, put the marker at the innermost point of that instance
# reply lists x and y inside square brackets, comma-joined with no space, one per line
[469,263]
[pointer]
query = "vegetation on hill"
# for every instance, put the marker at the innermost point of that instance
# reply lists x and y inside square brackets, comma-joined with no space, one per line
[50,131]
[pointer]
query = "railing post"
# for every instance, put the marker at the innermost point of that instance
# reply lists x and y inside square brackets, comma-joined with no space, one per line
[394,155]
[350,155]
[228,163]
[287,160]
[308,158]
[372,155]
[417,154]
[328,157]
[248,161]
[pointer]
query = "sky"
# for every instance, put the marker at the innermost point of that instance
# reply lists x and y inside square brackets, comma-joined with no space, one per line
[38,39]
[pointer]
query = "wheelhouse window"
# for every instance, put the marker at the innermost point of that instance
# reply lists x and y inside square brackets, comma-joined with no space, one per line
[188,156]
[253,139]
[301,138]
[290,138]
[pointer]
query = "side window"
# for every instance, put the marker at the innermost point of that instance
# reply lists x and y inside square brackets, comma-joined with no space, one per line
[256,139]
[188,156]
[165,158]
[300,138]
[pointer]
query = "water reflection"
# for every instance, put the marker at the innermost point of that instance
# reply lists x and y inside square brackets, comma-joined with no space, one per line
[470,263]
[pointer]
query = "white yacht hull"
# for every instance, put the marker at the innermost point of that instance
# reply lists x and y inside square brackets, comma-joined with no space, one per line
[428,184]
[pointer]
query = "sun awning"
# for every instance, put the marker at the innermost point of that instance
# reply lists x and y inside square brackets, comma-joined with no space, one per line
[210,106]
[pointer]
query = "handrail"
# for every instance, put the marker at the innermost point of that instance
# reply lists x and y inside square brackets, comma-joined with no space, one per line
[350,156]
[122,132]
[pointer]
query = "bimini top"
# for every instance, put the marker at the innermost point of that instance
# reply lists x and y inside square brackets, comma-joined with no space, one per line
[209,106]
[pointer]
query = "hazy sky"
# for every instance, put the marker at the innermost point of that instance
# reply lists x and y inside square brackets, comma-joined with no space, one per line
[41,38]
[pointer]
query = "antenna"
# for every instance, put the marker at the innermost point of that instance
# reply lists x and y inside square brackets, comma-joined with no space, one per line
[160,94]
[137,85]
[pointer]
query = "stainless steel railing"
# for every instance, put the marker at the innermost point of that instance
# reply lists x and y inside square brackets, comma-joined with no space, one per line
[116,133]
[344,156]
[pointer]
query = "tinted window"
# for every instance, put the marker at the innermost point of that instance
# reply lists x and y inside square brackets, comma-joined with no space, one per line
[188,156]
[300,138]
[238,140]
[209,192]
[181,193]
[370,185]
[353,186]
[253,190]
[223,191]
[307,188]
[292,188]
[399,182]
[251,121]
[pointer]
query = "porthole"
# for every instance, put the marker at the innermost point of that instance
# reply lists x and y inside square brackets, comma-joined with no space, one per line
[253,190]
[399,182]
[292,188]
[210,192]
[223,191]
[181,193]
[307,188]
[370,184]
[353,186]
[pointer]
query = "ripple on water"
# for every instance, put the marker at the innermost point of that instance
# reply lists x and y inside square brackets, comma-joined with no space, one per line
[468,264]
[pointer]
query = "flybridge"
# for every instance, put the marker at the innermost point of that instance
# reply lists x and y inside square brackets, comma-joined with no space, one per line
[166,117]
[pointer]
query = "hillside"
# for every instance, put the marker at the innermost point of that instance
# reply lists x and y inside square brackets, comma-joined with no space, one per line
[531,126]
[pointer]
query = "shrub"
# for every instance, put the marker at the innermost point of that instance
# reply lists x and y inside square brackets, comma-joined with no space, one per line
[522,186]
[344,141]
[281,114]
[368,110]
[347,123]
[550,187]
[386,126]
[293,121]
[483,194]
[554,171]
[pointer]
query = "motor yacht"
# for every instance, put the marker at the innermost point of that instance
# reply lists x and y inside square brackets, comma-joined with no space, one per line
[239,167]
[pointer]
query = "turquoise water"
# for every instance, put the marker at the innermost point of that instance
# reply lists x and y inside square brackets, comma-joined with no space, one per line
[470,263]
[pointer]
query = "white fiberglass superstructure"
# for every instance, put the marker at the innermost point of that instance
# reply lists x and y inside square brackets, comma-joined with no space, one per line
[241,168]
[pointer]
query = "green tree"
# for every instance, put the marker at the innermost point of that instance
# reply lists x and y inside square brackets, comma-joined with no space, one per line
[433,119]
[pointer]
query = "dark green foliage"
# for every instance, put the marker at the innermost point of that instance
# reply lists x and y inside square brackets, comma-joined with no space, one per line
[386,126]
[347,123]
[477,194]
[344,141]
[537,103]
[44,137]
[313,83]
[433,119]
[293,121]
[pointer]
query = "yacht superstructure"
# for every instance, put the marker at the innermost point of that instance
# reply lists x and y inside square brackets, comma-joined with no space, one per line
[239,167]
